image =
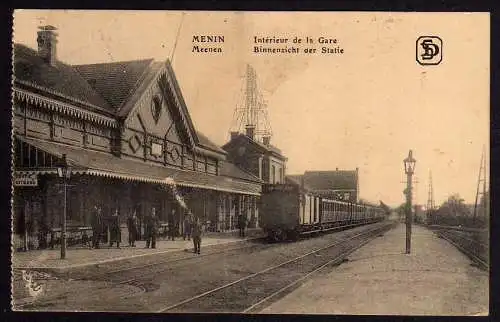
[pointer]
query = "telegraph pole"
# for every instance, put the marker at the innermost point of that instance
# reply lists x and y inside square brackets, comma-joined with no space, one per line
[409,164]
[430,201]
[481,179]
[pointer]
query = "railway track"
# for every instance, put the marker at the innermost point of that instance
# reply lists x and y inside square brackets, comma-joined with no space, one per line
[250,293]
[117,275]
[145,278]
[459,228]
[176,257]
[467,244]
[123,273]
[258,243]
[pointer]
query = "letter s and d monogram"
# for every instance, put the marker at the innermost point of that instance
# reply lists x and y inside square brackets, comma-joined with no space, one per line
[429,50]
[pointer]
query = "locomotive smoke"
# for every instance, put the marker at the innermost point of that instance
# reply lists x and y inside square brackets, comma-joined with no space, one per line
[171,183]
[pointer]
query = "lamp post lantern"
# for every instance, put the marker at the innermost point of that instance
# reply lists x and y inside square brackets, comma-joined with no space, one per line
[64,172]
[409,164]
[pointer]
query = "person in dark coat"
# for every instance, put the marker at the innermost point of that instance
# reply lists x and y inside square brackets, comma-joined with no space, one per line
[132,228]
[196,234]
[97,226]
[114,230]
[242,223]
[188,222]
[42,234]
[171,225]
[152,223]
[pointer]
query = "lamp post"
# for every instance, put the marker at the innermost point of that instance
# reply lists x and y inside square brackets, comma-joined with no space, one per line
[409,164]
[64,172]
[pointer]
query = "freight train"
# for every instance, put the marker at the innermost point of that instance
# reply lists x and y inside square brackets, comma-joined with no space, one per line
[288,211]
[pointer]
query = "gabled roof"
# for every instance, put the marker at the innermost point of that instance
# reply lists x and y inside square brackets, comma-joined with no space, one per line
[60,80]
[269,147]
[331,180]
[164,75]
[114,81]
[178,95]
[150,74]
[261,146]
[229,169]
[205,142]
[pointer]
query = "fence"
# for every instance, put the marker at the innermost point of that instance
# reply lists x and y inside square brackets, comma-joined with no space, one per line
[457,220]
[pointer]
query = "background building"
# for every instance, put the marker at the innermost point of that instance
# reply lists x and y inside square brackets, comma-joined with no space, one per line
[338,184]
[261,159]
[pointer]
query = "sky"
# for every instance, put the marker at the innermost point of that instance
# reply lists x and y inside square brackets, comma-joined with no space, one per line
[364,108]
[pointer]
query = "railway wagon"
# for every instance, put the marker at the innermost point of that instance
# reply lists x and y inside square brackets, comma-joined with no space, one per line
[288,211]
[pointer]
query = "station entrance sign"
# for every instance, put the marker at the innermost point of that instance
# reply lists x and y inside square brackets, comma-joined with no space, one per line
[25,179]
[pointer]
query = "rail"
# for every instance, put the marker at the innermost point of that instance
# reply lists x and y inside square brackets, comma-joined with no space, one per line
[460,228]
[308,264]
[248,243]
[469,243]
[266,290]
[179,257]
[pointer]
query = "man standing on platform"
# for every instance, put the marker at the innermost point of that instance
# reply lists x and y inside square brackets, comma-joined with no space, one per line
[115,230]
[171,225]
[151,228]
[188,223]
[196,234]
[132,228]
[242,224]
[96,223]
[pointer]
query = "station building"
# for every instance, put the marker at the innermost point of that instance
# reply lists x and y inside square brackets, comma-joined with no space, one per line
[261,159]
[124,128]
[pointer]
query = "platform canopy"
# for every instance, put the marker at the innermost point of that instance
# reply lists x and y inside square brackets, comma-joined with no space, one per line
[107,165]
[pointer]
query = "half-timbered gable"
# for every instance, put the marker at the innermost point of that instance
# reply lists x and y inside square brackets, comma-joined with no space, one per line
[156,125]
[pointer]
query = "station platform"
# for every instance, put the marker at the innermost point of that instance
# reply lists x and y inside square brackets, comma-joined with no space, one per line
[49,259]
[380,279]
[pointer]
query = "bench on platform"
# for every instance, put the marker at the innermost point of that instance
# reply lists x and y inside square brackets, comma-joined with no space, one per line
[75,235]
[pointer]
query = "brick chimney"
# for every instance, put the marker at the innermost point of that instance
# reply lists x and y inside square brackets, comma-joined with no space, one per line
[47,44]
[266,140]
[250,131]
[234,134]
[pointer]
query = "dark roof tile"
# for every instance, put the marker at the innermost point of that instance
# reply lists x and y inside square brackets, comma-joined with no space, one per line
[204,141]
[269,148]
[59,79]
[114,81]
[229,169]
[327,180]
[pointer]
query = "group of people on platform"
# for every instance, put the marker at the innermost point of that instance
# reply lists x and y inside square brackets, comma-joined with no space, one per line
[192,228]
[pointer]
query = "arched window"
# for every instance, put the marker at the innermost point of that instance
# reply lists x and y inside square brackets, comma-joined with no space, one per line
[156,108]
